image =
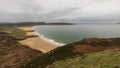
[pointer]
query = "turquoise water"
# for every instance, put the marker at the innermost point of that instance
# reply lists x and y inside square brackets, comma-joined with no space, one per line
[70,33]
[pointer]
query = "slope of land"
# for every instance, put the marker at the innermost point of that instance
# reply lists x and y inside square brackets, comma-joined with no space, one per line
[76,49]
[104,59]
[12,53]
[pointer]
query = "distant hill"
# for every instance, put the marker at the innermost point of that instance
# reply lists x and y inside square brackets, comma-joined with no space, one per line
[22,24]
[33,23]
[60,23]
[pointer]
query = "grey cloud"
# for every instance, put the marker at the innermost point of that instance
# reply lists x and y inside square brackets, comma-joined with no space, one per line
[58,13]
[31,10]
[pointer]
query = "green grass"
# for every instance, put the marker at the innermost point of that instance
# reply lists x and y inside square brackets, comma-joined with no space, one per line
[105,59]
[14,32]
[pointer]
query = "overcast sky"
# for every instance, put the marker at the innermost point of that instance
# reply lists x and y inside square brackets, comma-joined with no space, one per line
[60,10]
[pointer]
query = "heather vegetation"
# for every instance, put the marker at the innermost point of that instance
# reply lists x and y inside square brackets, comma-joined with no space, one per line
[104,59]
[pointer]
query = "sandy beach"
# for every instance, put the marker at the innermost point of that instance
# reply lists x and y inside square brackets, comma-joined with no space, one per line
[36,42]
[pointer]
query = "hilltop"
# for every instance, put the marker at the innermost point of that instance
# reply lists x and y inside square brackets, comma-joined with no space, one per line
[104,59]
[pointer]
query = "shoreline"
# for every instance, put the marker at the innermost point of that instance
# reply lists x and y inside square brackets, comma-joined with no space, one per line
[36,43]
[47,39]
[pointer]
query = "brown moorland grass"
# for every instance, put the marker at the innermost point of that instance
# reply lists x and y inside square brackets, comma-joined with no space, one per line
[76,49]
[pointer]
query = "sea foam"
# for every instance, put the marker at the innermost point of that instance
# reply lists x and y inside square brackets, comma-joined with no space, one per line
[47,39]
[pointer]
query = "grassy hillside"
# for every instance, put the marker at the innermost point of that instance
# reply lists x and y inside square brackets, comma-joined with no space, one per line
[13,31]
[105,59]
[76,49]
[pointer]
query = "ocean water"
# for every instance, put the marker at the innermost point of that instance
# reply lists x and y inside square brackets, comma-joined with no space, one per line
[63,34]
